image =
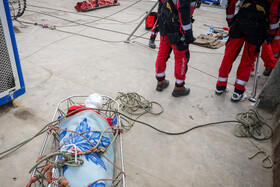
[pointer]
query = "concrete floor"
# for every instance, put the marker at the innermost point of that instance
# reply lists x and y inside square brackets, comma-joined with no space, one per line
[57,64]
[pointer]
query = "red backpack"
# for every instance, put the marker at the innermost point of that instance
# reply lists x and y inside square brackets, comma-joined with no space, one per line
[151,20]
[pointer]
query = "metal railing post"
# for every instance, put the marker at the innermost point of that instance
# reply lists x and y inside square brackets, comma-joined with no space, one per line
[257,69]
[127,40]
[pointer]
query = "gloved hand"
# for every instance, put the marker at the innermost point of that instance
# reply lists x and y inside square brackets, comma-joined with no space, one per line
[192,20]
[269,38]
[188,36]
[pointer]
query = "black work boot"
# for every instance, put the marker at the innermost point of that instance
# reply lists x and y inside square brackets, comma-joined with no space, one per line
[266,72]
[238,95]
[221,89]
[152,44]
[180,91]
[162,85]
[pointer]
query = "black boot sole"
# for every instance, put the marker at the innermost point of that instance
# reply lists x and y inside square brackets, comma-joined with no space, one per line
[185,92]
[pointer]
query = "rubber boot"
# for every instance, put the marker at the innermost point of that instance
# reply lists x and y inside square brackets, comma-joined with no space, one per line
[180,91]
[152,44]
[161,85]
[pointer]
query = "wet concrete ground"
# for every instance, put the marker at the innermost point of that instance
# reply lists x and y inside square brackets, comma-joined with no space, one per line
[84,58]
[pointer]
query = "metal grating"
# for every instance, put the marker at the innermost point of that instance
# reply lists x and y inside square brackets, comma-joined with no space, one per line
[6,73]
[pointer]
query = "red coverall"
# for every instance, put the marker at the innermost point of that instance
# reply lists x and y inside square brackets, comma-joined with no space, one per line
[275,45]
[175,25]
[269,54]
[248,26]
[155,29]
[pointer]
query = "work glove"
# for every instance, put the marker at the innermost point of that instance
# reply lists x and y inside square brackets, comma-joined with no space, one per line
[192,20]
[188,37]
[269,38]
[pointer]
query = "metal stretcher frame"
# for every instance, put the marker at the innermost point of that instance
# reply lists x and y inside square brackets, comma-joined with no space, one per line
[51,140]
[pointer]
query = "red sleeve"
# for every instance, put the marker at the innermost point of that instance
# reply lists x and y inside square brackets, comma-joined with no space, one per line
[230,10]
[273,17]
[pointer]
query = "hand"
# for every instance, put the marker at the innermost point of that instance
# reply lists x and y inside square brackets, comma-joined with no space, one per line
[192,20]
[270,38]
[188,36]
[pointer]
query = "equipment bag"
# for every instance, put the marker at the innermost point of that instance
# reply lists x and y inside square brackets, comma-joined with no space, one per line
[151,20]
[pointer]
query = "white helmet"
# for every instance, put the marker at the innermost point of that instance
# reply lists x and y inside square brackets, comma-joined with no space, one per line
[94,101]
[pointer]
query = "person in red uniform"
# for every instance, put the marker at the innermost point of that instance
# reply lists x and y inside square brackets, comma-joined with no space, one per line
[155,30]
[175,24]
[275,45]
[268,57]
[270,52]
[255,22]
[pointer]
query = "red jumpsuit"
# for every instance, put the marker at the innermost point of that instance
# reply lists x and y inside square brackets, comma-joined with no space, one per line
[250,26]
[275,45]
[175,25]
[270,52]
[267,56]
[155,29]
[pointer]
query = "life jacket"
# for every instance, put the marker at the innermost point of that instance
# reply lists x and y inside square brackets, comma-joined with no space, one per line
[169,18]
[169,12]
[255,10]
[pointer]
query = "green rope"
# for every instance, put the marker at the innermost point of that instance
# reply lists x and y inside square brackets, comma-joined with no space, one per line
[250,124]
[135,105]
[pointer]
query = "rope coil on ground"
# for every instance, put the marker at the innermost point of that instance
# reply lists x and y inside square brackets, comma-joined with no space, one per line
[250,124]
[132,103]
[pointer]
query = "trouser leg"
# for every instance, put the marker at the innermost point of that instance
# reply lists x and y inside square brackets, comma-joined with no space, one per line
[181,64]
[275,45]
[233,47]
[246,65]
[154,33]
[267,56]
[162,57]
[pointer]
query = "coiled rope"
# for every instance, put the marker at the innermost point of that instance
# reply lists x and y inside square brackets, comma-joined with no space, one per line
[252,125]
[135,105]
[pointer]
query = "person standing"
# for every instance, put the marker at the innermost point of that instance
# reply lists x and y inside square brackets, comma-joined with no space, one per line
[270,53]
[268,58]
[255,22]
[155,28]
[176,34]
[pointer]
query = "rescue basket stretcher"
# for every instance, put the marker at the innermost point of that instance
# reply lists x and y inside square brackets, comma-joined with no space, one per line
[82,147]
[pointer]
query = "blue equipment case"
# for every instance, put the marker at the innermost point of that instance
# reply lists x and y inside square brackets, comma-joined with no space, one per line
[11,78]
